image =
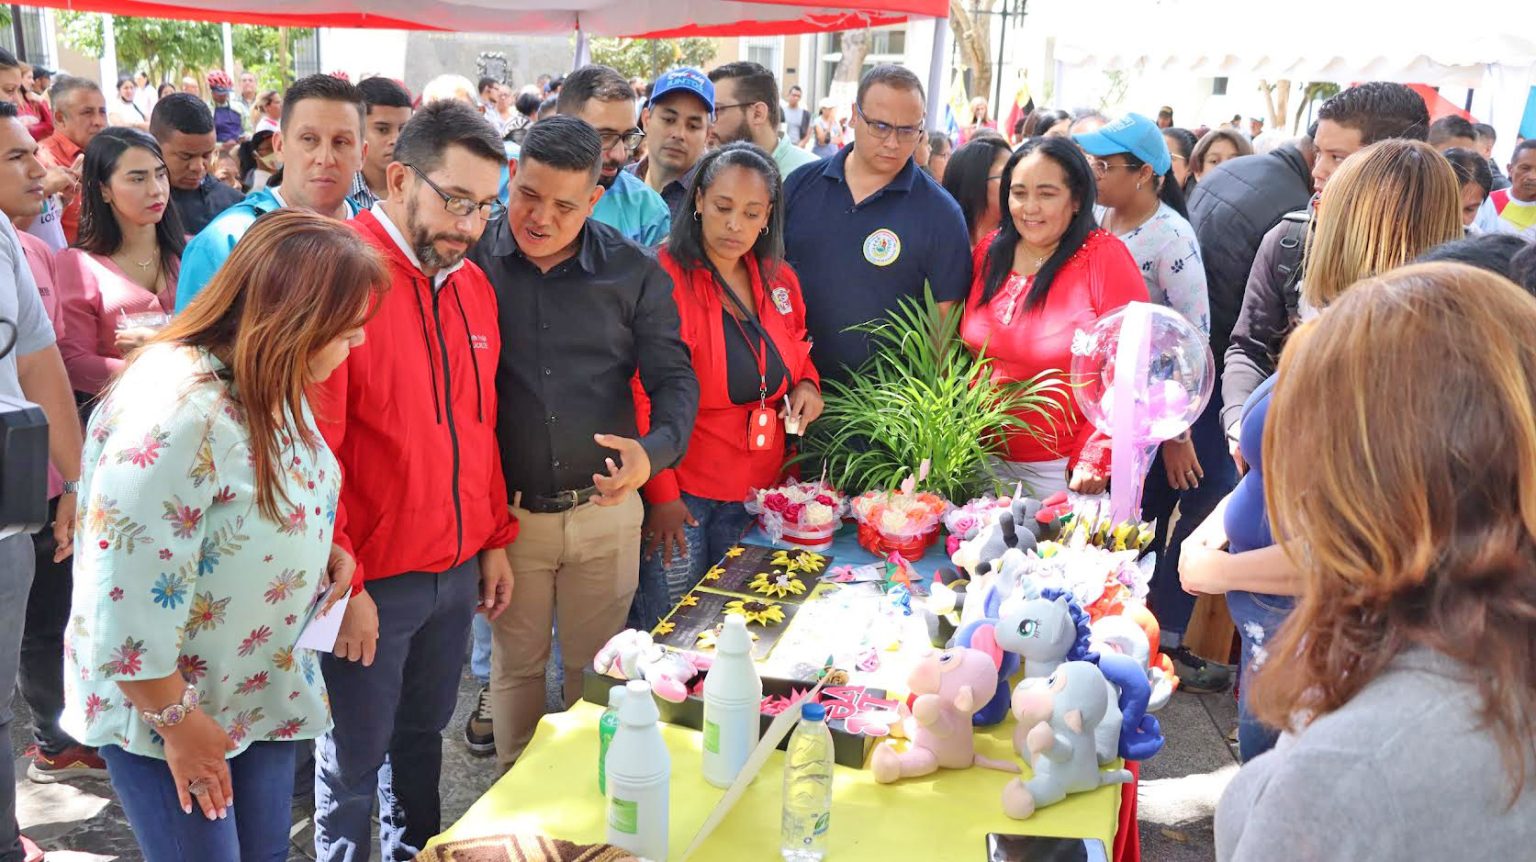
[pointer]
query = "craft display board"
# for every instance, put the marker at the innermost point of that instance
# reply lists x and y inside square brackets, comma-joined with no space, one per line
[696,621]
[767,573]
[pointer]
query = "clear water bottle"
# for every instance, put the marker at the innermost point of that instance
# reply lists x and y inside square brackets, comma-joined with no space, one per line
[807,787]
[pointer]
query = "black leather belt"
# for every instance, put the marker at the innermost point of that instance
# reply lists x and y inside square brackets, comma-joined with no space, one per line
[561,502]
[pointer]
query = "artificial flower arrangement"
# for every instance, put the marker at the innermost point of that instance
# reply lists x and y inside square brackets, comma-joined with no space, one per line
[798,514]
[905,521]
[961,520]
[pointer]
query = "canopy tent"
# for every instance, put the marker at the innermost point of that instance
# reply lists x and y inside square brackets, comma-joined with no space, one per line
[633,18]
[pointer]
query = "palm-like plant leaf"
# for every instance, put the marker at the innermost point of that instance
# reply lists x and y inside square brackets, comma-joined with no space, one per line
[924,395]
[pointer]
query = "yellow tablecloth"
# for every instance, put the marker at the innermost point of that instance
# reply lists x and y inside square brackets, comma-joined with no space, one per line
[553,790]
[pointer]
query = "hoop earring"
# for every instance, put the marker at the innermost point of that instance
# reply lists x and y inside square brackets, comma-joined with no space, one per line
[764,231]
[697,217]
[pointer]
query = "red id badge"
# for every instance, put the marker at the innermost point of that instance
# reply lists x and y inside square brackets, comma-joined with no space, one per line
[762,429]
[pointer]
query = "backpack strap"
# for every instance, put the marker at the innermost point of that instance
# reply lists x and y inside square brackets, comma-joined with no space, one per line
[1288,263]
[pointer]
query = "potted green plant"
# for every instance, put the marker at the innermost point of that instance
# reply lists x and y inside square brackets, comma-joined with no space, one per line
[923,395]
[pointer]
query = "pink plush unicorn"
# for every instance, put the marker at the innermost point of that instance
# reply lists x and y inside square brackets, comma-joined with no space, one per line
[950,687]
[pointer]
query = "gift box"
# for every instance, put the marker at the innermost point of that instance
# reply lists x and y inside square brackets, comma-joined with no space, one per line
[854,713]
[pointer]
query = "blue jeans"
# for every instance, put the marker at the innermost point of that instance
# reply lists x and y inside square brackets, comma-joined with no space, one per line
[1168,600]
[480,649]
[721,525]
[256,829]
[1258,617]
[390,718]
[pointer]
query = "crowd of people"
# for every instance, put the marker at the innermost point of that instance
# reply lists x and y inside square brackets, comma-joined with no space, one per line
[497,369]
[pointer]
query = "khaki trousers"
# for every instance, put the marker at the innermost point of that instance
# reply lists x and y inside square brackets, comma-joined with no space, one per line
[578,568]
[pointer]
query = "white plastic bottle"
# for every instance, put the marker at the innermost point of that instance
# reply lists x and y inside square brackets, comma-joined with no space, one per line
[807,787]
[639,770]
[733,696]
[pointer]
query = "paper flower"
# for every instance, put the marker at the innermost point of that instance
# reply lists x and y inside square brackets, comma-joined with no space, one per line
[710,638]
[688,601]
[714,573]
[777,584]
[801,561]
[763,613]
[664,627]
[735,552]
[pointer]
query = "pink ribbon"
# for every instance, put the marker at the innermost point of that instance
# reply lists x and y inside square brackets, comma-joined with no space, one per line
[1130,451]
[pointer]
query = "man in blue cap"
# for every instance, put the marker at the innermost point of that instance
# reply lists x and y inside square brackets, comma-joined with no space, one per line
[676,120]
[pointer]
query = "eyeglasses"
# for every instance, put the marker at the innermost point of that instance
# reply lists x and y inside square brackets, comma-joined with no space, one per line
[631,139]
[1101,167]
[883,131]
[463,206]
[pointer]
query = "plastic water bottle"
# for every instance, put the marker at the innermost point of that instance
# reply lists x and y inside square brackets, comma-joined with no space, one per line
[733,697]
[639,770]
[807,787]
[606,727]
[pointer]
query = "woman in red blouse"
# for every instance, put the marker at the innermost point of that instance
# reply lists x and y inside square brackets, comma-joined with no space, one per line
[1047,273]
[744,322]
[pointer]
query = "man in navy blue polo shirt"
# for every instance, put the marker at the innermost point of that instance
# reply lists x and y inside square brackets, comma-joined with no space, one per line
[866,227]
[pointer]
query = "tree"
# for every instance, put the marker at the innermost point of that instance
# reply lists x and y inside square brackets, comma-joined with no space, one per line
[973,33]
[850,66]
[648,58]
[168,49]
[1277,97]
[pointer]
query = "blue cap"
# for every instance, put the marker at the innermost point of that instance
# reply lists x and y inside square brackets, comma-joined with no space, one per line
[813,712]
[1132,134]
[684,80]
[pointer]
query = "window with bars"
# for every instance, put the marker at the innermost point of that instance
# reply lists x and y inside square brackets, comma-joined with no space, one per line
[767,51]
[38,49]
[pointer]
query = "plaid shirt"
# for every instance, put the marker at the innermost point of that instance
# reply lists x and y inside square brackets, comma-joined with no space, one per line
[362,197]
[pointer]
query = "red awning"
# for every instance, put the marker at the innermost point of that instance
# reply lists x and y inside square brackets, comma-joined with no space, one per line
[635,18]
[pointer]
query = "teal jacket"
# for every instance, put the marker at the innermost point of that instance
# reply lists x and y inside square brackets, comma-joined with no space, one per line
[209,249]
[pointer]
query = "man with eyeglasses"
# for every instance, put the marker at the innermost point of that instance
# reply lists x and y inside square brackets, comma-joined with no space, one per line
[866,227]
[604,99]
[411,416]
[747,109]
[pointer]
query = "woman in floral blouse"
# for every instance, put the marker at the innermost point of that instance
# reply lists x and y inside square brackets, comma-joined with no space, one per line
[204,538]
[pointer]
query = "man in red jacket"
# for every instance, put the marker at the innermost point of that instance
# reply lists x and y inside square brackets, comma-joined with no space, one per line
[411,416]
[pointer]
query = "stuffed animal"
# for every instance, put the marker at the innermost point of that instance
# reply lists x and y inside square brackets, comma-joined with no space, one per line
[949,686]
[1046,631]
[631,654]
[1120,634]
[1057,718]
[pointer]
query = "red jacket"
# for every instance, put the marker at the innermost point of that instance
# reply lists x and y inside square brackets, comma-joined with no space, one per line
[415,432]
[718,465]
[1100,278]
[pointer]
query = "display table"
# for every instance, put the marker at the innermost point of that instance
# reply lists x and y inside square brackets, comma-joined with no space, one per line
[553,791]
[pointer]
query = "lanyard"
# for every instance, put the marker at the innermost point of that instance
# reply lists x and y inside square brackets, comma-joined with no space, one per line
[760,349]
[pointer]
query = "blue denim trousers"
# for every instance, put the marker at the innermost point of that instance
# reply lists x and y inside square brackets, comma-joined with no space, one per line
[721,525]
[1258,617]
[387,742]
[256,829]
[1167,599]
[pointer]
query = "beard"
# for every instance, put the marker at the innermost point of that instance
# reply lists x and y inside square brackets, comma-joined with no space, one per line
[425,243]
[742,131]
[606,181]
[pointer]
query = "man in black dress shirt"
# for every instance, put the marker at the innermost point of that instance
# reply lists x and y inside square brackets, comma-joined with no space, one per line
[184,127]
[582,309]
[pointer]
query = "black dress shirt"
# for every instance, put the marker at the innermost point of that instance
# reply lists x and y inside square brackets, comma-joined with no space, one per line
[571,341]
[199,206]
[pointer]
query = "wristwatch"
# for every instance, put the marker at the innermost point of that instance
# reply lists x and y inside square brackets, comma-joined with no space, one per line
[71,486]
[174,714]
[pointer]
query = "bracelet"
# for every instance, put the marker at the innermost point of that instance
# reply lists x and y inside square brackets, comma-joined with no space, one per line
[174,714]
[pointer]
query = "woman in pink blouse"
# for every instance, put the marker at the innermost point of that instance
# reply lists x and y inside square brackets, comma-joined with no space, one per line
[125,260]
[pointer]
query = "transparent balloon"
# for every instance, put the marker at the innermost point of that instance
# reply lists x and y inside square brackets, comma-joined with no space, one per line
[1167,396]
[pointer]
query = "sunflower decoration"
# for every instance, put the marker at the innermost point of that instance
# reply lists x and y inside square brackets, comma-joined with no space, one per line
[777,584]
[763,613]
[803,561]
[710,638]
[734,552]
[664,627]
[714,573]
[688,601]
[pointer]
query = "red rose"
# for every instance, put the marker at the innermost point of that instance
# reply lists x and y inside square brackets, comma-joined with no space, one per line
[824,500]
[776,503]
[795,512]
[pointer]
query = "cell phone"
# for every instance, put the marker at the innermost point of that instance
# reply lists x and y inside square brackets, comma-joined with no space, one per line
[1035,848]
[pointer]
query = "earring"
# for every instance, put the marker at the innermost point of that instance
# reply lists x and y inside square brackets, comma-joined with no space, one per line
[1138,186]
[697,217]
[765,230]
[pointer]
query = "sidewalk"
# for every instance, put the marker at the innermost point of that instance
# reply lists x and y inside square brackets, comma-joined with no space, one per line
[81,822]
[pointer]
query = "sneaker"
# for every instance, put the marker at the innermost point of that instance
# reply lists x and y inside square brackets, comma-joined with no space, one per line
[1196,675]
[76,761]
[478,735]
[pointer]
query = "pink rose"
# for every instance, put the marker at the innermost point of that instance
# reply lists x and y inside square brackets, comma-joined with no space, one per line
[824,500]
[794,512]
[776,503]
